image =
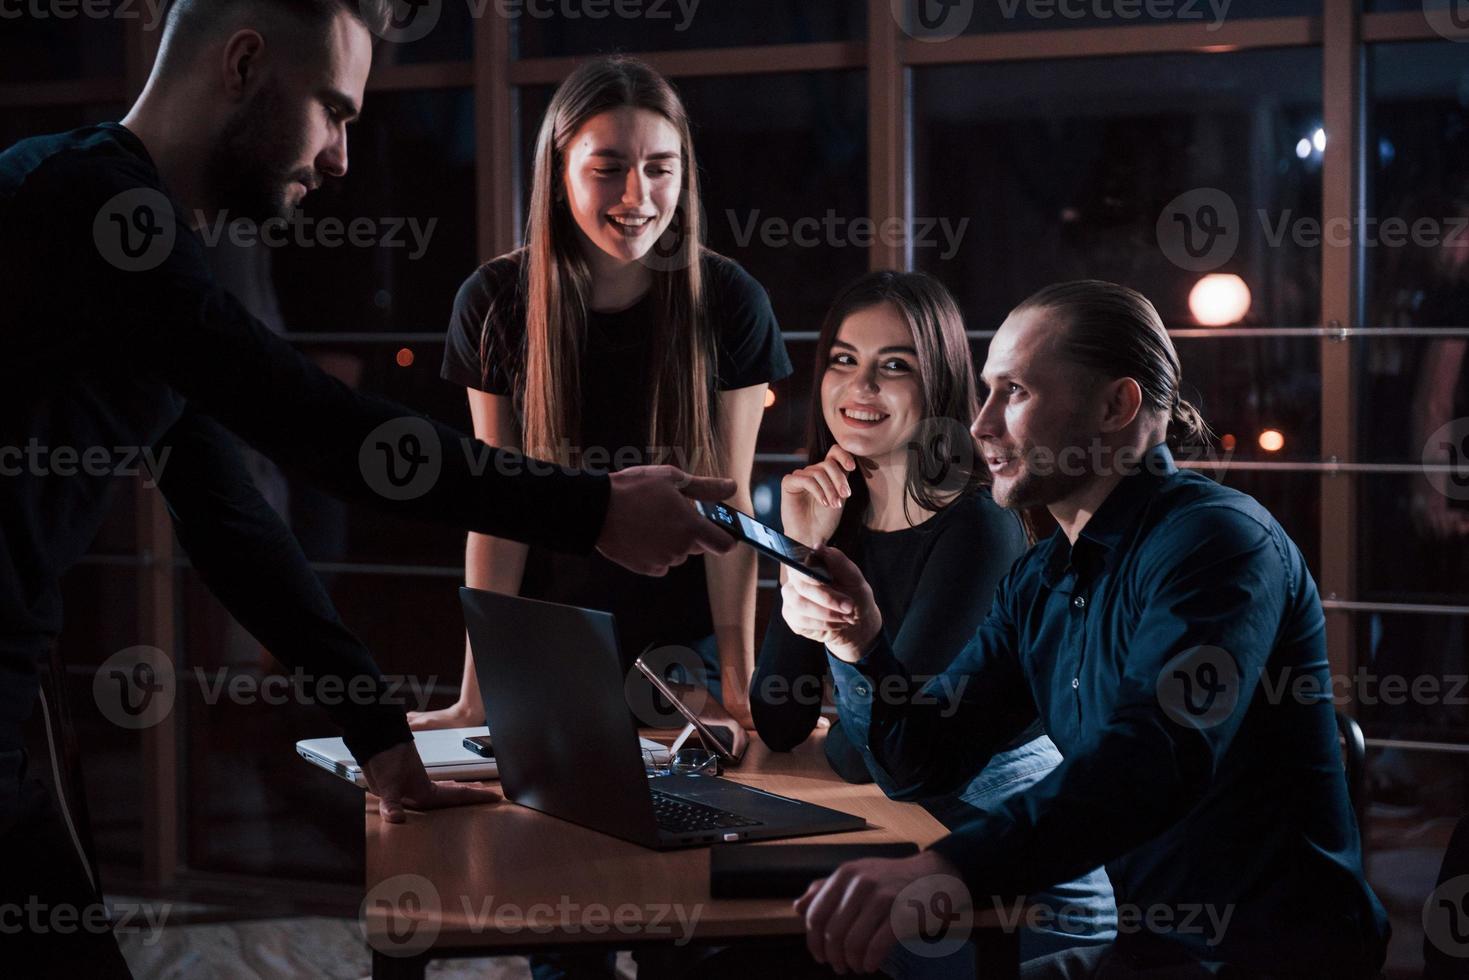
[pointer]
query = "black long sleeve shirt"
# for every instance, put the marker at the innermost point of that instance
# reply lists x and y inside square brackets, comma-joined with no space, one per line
[934,583]
[1176,653]
[118,346]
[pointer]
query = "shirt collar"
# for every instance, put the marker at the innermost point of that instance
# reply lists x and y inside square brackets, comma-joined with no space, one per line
[1117,514]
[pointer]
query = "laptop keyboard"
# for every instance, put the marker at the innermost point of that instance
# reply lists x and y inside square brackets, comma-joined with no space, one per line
[680,816]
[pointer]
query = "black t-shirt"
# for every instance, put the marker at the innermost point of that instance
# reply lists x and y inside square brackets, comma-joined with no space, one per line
[614,423]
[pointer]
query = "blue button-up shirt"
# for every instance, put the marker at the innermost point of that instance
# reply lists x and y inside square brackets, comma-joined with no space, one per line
[1176,655]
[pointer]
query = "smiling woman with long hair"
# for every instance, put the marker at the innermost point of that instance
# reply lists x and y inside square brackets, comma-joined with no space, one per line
[615,338]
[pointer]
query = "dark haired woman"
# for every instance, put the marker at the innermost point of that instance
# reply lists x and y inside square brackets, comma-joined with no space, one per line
[892,483]
[613,338]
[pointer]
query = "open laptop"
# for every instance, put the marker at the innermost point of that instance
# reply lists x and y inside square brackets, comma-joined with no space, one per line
[566,743]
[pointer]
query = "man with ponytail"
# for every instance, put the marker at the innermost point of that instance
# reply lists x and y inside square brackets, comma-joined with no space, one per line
[1170,639]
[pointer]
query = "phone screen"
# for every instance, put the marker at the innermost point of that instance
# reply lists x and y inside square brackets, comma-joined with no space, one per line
[766,540]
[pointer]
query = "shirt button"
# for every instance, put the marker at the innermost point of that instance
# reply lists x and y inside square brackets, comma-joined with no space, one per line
[860,690]
[1075,683]
[1079,602]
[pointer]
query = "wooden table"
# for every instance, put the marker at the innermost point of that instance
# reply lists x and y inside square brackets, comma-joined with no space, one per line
[503,879]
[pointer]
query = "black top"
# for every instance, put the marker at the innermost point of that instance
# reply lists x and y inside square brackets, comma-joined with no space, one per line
[118,340]
[933,584]
[1177,655]
[614,419]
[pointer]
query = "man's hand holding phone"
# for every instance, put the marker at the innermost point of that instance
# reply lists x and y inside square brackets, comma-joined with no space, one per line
[843,616]
[650,526]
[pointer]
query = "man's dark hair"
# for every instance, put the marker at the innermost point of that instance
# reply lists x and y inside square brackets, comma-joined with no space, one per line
[193,22]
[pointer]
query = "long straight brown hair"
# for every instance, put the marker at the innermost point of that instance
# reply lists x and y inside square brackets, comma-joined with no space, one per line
[557,283]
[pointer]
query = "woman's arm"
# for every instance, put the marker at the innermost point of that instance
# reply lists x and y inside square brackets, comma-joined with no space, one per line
[957,586]
[786,691]
[490,563]
[731,577]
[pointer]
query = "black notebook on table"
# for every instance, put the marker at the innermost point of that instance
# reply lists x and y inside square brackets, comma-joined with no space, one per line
[785,870]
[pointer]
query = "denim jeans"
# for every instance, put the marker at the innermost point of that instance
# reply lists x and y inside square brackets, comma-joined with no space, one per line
[1078,914]
[1081,912]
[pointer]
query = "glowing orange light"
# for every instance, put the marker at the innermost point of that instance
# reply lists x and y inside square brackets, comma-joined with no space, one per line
[1272,441]
[405,357]
[1228,442]
[1218,300]
[769,397]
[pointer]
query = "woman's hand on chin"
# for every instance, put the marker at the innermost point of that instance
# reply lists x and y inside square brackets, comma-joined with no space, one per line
[813,497]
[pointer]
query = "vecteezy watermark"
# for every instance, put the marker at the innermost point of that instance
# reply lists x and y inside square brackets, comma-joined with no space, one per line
[932,20]
[37,917]
[945,690]
[135,230]
[1448,447]
[1446,917]
[1200,687]
[303,231]
[944,453]
[1097,459]
[1199,230]
[151,12]
[413,20]
[403,916]
[673,664]
[1196,920]
[1215,12]
[402,458]
[933,916]
[299,687]
[942,20]
[1202,229]
[678,245]
[652,919]
[1450,18]
[832,230]
[36,459]
[1365,687]
[802,689]
[135,688]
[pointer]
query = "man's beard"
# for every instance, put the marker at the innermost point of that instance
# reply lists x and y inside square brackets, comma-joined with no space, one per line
[1054,481]
[249,168]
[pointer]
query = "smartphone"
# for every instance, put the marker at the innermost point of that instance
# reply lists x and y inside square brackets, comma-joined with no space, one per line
[766,540]
[480,745]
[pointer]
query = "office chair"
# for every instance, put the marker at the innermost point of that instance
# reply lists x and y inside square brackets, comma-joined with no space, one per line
[1354,757]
